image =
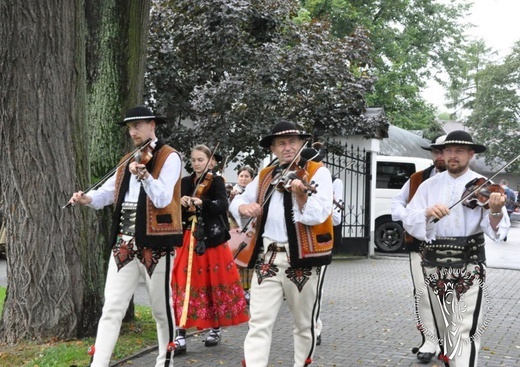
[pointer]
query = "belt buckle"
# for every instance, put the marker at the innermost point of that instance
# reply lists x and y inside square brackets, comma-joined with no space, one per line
[275,248]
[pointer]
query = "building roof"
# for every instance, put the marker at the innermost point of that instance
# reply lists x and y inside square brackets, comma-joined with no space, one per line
[401,142]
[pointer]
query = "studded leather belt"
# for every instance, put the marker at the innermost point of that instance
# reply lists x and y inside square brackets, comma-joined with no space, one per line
[127,219]
[454,251]
[275,248]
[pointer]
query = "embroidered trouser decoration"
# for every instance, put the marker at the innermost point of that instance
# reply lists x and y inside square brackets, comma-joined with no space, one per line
[299,276]
[149,257]
[123,252]
[266,270]
[456,296]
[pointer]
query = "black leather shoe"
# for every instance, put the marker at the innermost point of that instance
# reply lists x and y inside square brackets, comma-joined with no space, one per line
[213,338]
[425,357]
[180,346]
[318,340]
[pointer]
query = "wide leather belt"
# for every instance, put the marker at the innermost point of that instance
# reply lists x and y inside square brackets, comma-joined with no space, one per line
[454,251]
[127,219]
[275,248]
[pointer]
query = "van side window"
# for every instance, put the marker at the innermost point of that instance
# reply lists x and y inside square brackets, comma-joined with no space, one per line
[393,175]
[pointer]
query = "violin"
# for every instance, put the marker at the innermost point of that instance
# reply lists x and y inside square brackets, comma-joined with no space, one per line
[203,185]
[282,181]
[143,156]
[475,196]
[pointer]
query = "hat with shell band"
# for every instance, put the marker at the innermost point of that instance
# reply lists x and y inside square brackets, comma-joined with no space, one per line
[438,140]
[459,137]
[141,113]
[282,128]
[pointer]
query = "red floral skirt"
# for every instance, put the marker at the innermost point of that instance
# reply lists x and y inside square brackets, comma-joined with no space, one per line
[216,295]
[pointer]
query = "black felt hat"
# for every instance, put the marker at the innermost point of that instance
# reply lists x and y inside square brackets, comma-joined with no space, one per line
[459,137]
[141,113]
[282,128]
[218,157]
[316,153]
[437,141]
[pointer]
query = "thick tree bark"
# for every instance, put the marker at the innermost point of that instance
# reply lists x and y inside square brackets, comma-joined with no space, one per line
[51,101]
[42,132]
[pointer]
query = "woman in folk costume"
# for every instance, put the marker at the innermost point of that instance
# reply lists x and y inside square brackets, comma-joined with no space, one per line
[206,286]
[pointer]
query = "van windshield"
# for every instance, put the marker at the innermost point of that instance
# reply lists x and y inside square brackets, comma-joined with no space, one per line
[393,175]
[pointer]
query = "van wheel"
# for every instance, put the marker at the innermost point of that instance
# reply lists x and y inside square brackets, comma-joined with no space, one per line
[389,236]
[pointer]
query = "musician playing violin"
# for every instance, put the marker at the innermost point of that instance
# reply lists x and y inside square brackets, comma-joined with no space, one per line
[453,252]
[293,239]
[146,226]
[207,292]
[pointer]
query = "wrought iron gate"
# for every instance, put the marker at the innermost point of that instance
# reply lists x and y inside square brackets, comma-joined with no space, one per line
[352,166]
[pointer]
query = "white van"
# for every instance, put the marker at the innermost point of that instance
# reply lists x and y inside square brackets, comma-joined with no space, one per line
[391,175]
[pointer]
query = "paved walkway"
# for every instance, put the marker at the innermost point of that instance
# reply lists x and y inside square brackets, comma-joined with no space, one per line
[368,317]
[368,321]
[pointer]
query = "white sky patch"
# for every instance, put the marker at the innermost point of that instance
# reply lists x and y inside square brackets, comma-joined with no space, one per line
[496,22]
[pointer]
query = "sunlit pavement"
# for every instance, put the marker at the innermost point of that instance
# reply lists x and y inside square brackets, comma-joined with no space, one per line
[505,255]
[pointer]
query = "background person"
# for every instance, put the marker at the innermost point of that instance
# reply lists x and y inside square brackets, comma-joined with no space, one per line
[146,226]
[510,197]
[317,153]
[429,346]
[3,234]
[245,176]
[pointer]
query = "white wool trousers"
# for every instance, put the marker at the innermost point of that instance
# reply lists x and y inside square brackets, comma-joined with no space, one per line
[267,298]
[460,319]
[423,307]
[119,289]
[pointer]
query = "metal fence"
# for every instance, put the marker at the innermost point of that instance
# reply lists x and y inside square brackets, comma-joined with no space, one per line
[352,166]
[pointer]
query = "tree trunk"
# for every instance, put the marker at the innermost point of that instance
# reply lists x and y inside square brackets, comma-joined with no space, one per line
[116,65]
[53,98]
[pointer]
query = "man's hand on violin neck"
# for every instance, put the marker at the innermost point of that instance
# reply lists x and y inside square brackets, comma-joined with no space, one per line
[138,170]
[496,201]
[298,188]
[437,211]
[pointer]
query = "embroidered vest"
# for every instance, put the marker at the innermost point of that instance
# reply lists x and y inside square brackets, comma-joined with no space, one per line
[308,245]
[418,178]
[155,227]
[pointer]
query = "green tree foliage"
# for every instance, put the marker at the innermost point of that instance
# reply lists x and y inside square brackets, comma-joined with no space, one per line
[236,67]
[495,118]
[465,82]
[413,42]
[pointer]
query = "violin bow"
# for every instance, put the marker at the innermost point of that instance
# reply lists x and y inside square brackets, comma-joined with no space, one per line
[112,171]
[476,189]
